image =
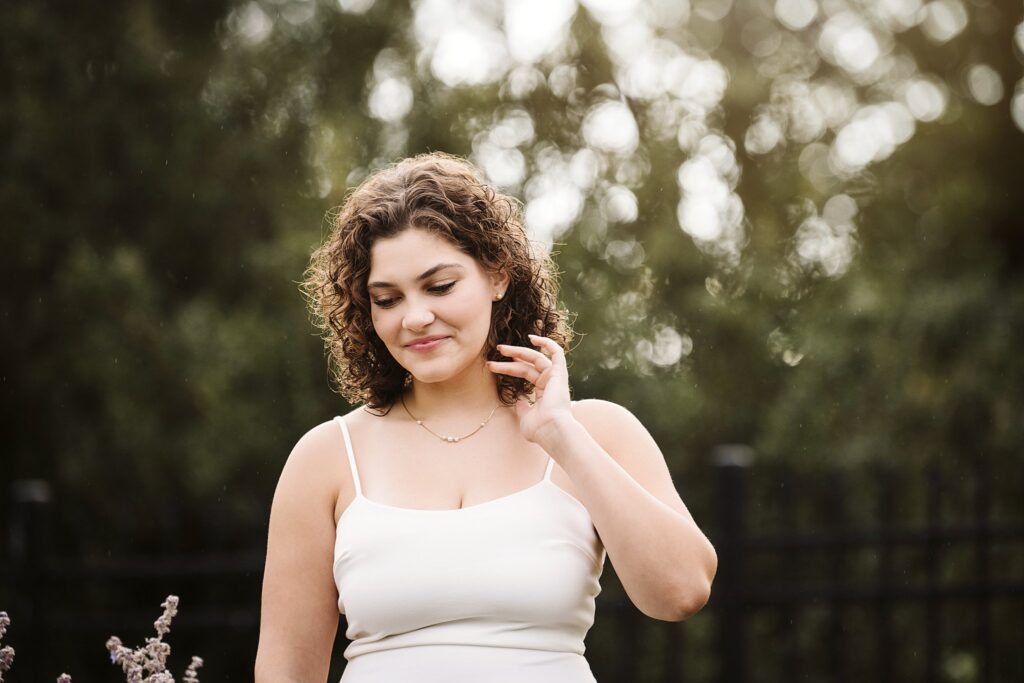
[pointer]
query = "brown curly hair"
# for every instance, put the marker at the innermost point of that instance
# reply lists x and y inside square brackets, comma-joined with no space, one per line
[443,194]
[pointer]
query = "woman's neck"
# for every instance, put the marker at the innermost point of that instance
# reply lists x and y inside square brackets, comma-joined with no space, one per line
[458,403]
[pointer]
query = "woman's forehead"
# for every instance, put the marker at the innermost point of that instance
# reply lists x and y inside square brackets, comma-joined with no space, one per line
[414,255]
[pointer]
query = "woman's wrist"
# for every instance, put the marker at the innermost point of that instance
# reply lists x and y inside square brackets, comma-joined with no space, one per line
[557,435]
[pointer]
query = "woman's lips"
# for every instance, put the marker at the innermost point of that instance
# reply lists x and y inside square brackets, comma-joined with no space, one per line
[427,346]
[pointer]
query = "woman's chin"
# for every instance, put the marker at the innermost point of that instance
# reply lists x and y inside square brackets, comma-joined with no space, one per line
[428,375]
[432,373]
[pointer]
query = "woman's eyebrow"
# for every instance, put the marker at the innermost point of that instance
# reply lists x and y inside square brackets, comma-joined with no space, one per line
[423,276]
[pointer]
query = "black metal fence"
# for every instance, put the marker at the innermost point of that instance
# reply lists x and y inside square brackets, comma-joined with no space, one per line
[901,590]
[839,575]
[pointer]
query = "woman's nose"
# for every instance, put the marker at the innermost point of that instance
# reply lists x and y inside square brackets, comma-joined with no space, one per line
[417,316]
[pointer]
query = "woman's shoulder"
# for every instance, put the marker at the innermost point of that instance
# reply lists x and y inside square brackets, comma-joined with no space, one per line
[322,441]
[317,460]
[329,434]
[608,422]
[600,409]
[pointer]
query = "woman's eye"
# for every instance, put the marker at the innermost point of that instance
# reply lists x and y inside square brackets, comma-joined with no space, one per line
[443,288]
[439,289]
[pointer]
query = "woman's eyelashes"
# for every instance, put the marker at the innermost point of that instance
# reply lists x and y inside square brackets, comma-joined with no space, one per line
[439,289]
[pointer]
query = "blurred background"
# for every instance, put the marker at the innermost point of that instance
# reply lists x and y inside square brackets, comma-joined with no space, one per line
[790,231]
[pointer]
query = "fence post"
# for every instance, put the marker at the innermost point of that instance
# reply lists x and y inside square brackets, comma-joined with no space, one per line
[731,460]
[29,535]
[885,478]
[836,514]
[933,572]
[982,563]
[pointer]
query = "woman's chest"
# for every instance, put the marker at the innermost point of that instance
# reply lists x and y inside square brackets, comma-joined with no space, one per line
[405,470]
[535,550]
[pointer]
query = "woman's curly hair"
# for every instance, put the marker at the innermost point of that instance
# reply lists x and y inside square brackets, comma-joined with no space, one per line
[443,194]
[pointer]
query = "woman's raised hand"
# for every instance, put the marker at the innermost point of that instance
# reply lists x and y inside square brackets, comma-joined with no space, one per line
[549,376]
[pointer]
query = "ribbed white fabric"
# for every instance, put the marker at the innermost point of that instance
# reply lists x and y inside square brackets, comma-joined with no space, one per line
[498,592]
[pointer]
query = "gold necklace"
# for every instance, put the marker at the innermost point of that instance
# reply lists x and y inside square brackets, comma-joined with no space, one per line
[449,439]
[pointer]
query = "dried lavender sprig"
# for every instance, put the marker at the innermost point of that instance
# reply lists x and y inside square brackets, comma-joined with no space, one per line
[190,672]
[7,652]
[126,658]
[163,624]
[153,656]
[6,659]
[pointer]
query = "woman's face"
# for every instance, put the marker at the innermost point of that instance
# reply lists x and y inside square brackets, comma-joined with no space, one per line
[421,286]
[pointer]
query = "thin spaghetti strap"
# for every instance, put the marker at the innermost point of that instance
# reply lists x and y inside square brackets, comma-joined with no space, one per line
[351,456]
[551,465]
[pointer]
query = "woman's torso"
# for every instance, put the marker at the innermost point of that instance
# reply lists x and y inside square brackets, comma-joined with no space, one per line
[464,563]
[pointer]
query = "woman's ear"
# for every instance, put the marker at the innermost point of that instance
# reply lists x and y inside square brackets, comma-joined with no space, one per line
[500,282]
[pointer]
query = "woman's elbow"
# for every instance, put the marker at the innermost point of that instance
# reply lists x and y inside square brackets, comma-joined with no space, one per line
[688,599]
[692,600]
[697,590]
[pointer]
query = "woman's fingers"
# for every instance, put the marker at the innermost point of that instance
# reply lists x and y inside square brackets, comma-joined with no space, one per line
[525,354]
[556,352]
[547,343]
[516,369]
[530,364]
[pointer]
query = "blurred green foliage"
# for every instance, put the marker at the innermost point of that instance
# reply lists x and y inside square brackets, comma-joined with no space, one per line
[168,167]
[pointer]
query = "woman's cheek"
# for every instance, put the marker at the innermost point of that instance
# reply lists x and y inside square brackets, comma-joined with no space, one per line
[464,301]
[380,326]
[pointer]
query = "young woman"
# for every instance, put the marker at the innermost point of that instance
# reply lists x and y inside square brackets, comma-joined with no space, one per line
[460,516]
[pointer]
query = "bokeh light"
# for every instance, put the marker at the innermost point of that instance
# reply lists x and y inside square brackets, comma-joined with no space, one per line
[944,20]
[826,246]
[462,41]
[926,98]
[535,28]
[620,205]
[848,41]
[610,126]
[390,99]
[612,12]
[709,210]
[872,135]
[666,347]
[1017,105]
[355,6]
[796,14]
[250,23]
[984,84]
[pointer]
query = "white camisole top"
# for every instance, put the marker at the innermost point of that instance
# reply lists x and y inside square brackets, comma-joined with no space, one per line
[502,591]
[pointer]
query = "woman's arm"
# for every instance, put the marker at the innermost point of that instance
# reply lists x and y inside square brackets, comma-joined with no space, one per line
[665,563]
[299,615]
